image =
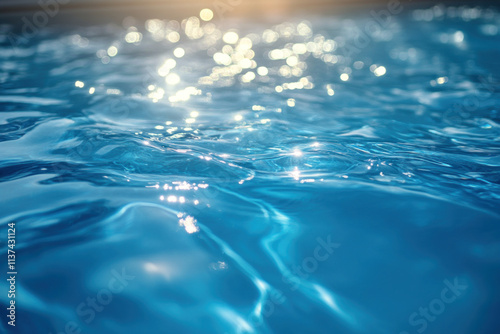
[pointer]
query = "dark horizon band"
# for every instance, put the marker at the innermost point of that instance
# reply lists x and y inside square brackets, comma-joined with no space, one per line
[191,7]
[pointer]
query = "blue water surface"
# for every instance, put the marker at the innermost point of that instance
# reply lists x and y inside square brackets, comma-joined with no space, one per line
[324,174]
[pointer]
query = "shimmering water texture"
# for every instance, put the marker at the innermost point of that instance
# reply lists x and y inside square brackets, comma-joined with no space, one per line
[246,177]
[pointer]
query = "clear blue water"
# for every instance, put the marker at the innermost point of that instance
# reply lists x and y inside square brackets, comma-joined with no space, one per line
[291,178]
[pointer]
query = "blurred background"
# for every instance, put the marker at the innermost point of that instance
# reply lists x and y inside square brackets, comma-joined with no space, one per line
[180,9]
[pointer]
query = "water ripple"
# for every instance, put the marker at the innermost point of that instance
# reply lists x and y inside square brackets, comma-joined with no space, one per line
[213,163]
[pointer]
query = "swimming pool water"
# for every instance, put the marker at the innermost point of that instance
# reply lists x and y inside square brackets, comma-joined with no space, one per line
[327,174]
